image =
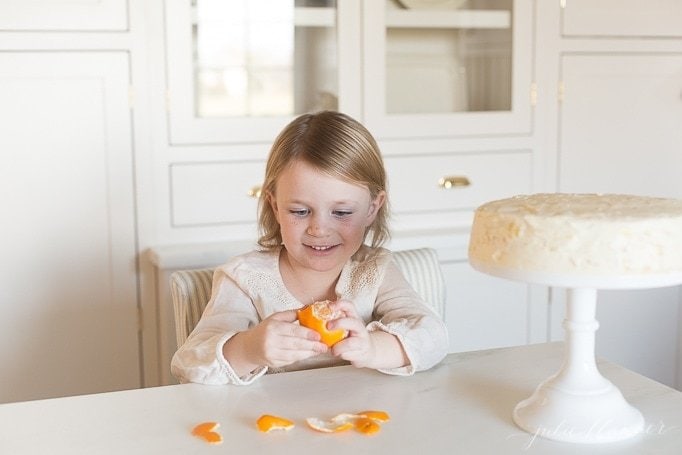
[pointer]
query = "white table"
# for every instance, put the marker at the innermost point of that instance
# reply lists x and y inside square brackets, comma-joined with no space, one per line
[464,405]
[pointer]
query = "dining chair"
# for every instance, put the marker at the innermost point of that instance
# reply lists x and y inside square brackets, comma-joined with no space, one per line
[191,289]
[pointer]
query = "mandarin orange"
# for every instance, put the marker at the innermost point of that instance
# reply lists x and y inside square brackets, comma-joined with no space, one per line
[315,316]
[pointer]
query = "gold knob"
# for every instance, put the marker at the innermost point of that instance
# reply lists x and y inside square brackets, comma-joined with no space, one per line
[255,192]
[453,181]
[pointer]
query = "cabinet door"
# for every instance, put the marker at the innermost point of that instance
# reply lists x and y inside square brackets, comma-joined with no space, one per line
[68,290]
[484,312]
[62,15]
[637,329]
[239,70]
[620,132]
[458,70]
[620,127]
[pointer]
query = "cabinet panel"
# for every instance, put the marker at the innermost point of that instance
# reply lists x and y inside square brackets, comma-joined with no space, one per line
[241,81]
[420,183]
[68,289]
[447,73]
[35,15]
[619,130]
[637,329]
[482,311]
[620,124]
[627,18]
[215,193]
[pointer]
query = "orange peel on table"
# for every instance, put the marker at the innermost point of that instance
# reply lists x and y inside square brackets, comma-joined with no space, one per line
[365,422]
[267,423]
[366,425]
[336,424]
[379,416]
[315,316]
[206,431]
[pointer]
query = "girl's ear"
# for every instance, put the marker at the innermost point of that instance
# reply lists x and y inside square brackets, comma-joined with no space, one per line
[374,207]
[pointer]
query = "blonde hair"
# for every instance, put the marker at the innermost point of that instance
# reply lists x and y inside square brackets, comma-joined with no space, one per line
[337,145]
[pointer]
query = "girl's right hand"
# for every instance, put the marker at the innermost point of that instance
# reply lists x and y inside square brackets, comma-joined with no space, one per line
[278,341]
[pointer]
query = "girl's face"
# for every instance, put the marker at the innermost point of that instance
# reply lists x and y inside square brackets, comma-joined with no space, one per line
[322,219]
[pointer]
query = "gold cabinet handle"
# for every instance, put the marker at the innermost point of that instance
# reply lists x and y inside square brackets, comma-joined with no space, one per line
[255,192]
[453,181]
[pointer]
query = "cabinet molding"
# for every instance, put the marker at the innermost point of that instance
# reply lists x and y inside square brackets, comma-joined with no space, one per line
[64,15]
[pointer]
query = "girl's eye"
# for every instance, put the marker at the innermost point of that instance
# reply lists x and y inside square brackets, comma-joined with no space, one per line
[299,212]
[342,213]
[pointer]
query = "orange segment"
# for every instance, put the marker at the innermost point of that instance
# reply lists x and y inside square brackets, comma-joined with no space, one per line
[366,425]
[206,431]
[315,316]
[379,416]
[267,423]
[337,424]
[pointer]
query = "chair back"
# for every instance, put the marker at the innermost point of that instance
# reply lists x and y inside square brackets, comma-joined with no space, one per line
[191,289]
[190,292]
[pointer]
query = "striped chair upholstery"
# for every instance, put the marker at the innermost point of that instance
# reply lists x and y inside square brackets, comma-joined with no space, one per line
[191,289]
[422,270]
[190,292]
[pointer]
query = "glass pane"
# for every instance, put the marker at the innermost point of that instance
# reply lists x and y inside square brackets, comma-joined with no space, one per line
[460,49]
[264,57]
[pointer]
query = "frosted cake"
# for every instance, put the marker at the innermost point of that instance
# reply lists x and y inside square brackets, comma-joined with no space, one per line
[578,234]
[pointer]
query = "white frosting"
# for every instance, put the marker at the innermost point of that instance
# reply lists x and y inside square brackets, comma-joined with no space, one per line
[579,234]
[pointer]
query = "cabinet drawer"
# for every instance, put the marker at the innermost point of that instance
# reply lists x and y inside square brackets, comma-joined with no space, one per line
[628,18]
[204,194]
[415,181]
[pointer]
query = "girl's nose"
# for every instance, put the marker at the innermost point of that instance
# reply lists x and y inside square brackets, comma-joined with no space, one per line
[317,226]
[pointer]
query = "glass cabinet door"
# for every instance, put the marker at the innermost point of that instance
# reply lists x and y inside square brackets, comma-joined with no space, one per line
[238,70]
[447,67]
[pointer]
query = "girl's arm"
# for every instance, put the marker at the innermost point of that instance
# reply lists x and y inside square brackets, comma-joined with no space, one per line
[200,358]
[274,342]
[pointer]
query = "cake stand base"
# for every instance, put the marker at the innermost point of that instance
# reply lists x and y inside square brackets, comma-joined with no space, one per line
[572,416]
[578,404]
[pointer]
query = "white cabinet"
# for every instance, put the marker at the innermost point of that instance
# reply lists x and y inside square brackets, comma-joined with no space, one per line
[485,312]
[238,72]
[441,189]
[444,72]
[370,59]
[622,114]
[618,131]
[68,299]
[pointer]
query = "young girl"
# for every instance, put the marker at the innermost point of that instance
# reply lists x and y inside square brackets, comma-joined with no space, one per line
[324,194]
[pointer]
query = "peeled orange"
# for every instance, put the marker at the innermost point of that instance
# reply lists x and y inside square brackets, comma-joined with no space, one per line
[315,316]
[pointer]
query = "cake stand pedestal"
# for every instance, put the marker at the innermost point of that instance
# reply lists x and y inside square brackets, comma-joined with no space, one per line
[577,404]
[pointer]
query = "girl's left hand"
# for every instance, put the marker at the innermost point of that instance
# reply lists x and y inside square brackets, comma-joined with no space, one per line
[359,347]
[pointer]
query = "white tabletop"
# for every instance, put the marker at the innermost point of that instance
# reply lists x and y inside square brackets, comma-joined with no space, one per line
[463,405]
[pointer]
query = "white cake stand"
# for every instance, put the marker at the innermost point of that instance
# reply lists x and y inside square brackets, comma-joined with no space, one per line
[577,404]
